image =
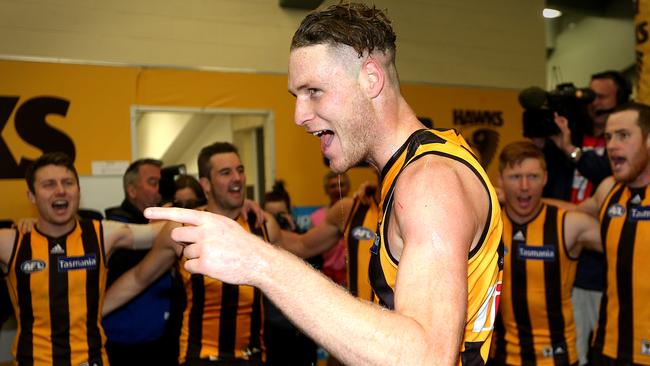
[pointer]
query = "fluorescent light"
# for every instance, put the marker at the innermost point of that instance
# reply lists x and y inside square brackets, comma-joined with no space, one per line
[551,13]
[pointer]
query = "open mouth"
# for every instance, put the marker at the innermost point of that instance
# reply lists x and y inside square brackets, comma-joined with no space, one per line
[524,200]
[617,161]
[322,133]
[60,205]
[234,189]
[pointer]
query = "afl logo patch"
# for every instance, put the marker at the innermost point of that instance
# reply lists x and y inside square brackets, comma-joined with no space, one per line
[616,210]
[34,265]
[362,233]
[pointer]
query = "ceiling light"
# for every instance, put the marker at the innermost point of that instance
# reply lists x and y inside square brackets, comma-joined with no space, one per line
[551,13]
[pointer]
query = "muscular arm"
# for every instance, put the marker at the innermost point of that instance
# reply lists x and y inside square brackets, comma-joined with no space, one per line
[430,303]
[582,231]
[160,258]
[591,206]
[129,236]
[7,238]
[321,237]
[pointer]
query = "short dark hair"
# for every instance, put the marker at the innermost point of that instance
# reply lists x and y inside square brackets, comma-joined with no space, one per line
[278,194]
[188,181]
[50,158]
[356,25]
[132,173]
[516,152]
[644,114]
[207,152]
[623,88]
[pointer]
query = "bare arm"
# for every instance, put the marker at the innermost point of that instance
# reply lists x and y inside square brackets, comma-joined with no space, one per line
[160,258]
[582,231]
[129,236]
[321,237]
[592,205]
[430,302]
[7,238]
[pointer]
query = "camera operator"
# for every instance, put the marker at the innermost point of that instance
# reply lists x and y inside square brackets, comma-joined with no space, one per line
[577,162]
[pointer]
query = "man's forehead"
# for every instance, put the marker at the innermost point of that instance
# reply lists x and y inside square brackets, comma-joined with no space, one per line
[624,119]
[225,160]
[52,171]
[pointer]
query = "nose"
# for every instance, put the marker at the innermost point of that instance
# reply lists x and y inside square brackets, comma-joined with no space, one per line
[60,189]
[524,184]
[303,112]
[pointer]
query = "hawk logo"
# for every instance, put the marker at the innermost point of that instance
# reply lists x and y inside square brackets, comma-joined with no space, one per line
[31,266]
[362,233]
[616,210]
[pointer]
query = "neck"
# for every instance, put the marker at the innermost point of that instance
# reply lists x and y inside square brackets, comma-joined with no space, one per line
[395,129]
[230,213]
[55,230]
[519,219]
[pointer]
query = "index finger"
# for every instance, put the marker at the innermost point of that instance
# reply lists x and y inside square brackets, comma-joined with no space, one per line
[182,215]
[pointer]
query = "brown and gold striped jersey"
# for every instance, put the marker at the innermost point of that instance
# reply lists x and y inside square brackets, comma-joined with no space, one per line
[359,237]
[221,321]
[536,309]
[623,331]
[57,288]
[484,262]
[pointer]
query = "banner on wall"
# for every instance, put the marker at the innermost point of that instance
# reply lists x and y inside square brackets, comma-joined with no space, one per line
[642,50]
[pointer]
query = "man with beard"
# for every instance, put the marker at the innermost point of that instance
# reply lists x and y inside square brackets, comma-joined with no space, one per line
[57,271]
[622,204]
[221,322]
[577,164]
[435,263]
[541,244]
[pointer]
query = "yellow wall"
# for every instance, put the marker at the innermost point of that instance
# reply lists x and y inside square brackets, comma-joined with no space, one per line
[98,118]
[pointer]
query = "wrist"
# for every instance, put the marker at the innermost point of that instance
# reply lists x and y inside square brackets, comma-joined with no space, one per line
[575,154]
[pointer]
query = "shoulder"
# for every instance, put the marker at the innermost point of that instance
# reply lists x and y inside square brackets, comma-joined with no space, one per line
[7,239]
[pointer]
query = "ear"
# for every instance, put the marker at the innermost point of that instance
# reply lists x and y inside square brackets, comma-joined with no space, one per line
[31,197]
[205,184]
[545,178]
[131,191]
[372,77]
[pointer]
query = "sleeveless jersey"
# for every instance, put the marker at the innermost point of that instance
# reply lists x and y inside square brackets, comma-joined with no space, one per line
[536,308]
[484,262]
[57,288]
[221,321]
[359,236]
[623,331]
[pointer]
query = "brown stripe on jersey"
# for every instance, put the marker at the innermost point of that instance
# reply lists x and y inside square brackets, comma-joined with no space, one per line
[380,286]
[605,220]
[25,347]
[519,278]
[195,323]
[553,281]
[90,243]
[471,356]
[59,307]
[228,319]
[624,262]
[359,215]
